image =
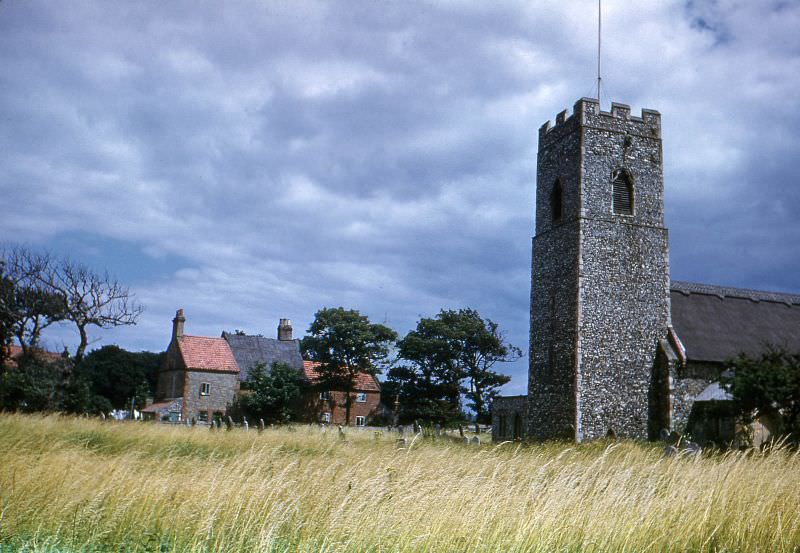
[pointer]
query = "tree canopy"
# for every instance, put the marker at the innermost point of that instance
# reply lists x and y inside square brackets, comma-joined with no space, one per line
[272,395]
[767,385]
[346,343]
[448,355]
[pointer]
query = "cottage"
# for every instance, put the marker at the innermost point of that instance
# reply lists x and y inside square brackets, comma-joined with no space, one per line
[202,375]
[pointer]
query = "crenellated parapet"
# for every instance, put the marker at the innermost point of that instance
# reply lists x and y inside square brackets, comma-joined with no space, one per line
[587,112]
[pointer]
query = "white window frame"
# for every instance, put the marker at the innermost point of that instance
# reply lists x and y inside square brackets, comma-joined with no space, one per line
[205,388]
[325,417]
[361,421]
[361,397]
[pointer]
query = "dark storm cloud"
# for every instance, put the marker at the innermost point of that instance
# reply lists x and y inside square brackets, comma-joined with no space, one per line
[250,161]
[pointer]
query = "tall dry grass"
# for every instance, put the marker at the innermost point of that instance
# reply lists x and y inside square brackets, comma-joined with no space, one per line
[81,485]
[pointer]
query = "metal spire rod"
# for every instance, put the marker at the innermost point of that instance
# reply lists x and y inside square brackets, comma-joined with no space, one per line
[599,31]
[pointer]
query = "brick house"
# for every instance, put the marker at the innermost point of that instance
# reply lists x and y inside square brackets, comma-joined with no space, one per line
[328,406]
[202,375]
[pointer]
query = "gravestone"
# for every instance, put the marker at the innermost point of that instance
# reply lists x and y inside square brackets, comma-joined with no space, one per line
[260,425]
[437,430]
[229,423]
[245,424]
[476,440]
[400,443]
[465,440]
[670,451]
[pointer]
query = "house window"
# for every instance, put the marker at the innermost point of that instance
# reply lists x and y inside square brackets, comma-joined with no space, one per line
[361,421]
[622,185]
[361,397]
[556,201]
[324,396]
[325,417]
[205,389]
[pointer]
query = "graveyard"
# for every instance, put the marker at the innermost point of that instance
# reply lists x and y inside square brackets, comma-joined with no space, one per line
[76,484]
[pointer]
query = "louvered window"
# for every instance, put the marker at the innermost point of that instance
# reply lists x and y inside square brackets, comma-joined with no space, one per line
[623,192]
[556,201]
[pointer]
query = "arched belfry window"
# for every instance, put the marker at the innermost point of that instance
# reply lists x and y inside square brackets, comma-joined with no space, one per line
[622,185]
[556,201]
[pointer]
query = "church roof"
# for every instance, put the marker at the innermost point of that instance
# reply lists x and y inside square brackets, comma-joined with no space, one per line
[715,323]
[250,350]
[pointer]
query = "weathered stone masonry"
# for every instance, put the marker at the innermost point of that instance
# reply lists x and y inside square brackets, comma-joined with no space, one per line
[600,280]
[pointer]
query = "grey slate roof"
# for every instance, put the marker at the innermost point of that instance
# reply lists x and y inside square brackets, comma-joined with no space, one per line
[250,350]
[715,323]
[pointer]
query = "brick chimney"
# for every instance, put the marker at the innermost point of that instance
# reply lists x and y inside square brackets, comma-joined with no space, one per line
[285,330]
[177,324]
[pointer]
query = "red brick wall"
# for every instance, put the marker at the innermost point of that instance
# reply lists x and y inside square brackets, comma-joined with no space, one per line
[316,407]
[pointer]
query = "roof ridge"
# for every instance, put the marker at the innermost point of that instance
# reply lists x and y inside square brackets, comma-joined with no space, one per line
[723,292]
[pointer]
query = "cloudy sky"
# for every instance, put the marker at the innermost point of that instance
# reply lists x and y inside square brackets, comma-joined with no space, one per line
[254,160]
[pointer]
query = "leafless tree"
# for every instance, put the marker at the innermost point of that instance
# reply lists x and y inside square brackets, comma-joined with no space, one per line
[91,299]
[27,305]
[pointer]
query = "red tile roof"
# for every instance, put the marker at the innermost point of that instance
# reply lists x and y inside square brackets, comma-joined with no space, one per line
[364,382]
[207,354]
[14,352]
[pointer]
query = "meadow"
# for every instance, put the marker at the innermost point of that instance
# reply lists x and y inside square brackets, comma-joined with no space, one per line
[70,484]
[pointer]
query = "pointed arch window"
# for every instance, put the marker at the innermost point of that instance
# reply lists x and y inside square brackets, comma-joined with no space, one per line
[556,201]
[622,185]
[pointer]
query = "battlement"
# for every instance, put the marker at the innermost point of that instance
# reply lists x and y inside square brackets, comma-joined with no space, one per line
[586,111]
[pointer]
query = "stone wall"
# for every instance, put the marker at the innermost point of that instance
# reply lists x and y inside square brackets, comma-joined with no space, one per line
[224,386]
[509,414]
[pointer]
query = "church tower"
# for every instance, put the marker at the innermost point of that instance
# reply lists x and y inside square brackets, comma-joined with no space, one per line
[600,275]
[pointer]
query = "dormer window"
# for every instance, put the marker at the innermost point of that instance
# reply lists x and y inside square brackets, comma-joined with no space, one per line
[622,190]
[556,201]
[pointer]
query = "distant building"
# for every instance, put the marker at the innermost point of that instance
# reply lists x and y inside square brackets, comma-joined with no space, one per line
[328,406]
[202,375]
[616,347]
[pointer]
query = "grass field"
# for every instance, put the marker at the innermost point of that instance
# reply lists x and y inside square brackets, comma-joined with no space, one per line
[70,485]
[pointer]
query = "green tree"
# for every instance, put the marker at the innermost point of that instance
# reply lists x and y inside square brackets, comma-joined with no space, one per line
[272,395]
[35,383]
[455,347]
[429,386]
[766,385]
[118,375]
[346,343]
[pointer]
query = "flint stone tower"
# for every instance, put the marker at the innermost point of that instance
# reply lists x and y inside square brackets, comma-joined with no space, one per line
[600,275]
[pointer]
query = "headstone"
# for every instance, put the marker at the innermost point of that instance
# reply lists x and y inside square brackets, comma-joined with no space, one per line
[401,430]
[437,430]
[664,435]
[260,425]
[229,423]
[693,448]
[465,440]
[611,435]
[341,431]
[417,427]
[377,434]
[245,424]
[102,416]
[400,442]
[670,451]
[476,440]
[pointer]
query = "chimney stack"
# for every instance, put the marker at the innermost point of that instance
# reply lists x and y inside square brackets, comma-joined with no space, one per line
[285,330]
[177,324]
